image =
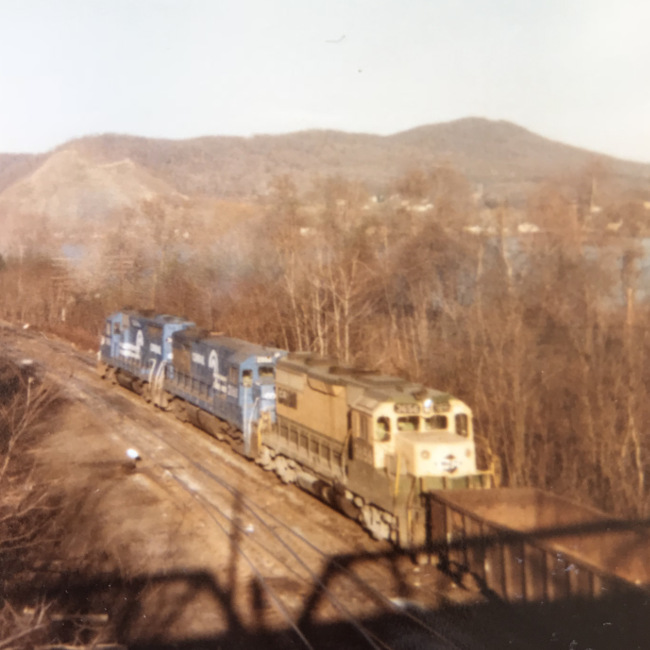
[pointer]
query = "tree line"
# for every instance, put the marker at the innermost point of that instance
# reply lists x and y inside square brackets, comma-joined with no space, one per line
[543,333]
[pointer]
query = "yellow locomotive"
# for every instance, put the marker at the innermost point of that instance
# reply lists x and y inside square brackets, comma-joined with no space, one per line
[370,444]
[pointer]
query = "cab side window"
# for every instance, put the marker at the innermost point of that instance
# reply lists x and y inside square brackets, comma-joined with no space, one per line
[408,423]
[462,425]
[382,429]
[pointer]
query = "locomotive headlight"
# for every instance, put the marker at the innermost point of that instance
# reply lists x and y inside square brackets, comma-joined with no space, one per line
[425,455]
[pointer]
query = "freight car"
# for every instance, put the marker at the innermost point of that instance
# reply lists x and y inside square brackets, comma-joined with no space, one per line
[575,576]
[369,444]
[524,544]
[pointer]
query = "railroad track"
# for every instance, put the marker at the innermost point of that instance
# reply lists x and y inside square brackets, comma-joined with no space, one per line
[302,571]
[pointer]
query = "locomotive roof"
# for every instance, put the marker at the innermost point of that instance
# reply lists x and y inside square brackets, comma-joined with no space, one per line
[375,385]
[149,316]
[401,390]
[240,350]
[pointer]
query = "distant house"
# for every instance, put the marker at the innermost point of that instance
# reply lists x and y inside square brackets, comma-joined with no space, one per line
[423,207]
[527,229]
[614,226]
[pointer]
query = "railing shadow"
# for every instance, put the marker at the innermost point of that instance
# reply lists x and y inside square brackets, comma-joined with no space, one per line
[151,610]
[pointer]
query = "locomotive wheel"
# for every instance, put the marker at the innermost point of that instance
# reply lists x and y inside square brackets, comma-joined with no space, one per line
[179,411]
[345,505]
[374,521]
[286,473]
[265,458]
[165,401]
[107,373]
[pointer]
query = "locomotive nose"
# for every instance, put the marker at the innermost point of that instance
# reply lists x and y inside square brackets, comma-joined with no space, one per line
[449,463]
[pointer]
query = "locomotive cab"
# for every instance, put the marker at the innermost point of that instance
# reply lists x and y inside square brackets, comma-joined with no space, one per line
[437,444]
[423,433]
[264,392]
[372,432]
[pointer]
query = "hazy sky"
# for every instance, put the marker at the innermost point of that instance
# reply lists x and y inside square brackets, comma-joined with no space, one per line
[572,70]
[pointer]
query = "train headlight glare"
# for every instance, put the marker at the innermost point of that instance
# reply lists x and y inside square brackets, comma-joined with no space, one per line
[425,455]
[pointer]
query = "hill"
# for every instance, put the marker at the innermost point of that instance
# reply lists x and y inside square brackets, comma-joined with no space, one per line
[15,166]
[91,180]
[504,157]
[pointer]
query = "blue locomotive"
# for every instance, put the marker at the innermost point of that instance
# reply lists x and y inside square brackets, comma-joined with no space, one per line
[136,349]
[227,378]
[225,385]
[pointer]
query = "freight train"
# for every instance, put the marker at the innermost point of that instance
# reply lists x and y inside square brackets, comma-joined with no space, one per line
[369,444]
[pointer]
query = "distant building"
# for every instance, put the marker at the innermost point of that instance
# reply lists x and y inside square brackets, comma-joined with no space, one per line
[527,229]
[614,226]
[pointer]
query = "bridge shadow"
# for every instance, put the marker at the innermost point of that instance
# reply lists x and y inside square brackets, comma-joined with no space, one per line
[598,611]
[152,610]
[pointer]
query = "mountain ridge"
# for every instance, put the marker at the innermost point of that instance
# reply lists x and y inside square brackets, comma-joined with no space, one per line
[86,178]
[484,150]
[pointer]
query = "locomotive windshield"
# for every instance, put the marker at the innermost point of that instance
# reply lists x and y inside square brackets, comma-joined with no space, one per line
[424,425]
[266,372]
[436,423]
[408,423]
